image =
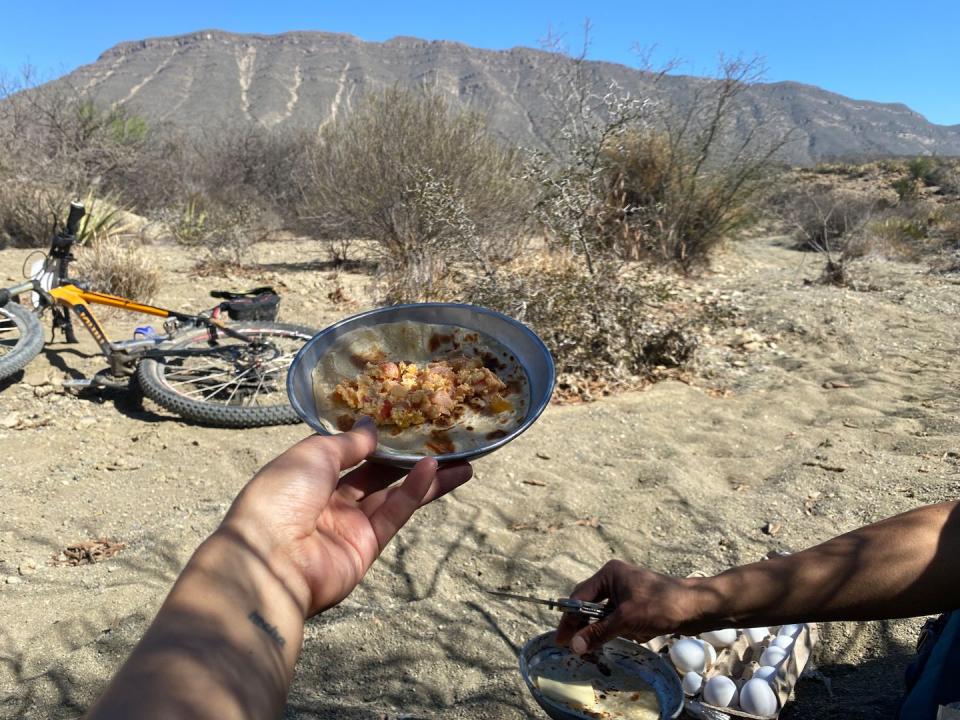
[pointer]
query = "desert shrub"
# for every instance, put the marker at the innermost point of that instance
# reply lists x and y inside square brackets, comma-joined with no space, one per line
[53,136]
[658,209]
[946,176]
[661,181]
[609,325]
[117,266]
[908,188]
[425,184]
[823,217]
[828,220]
[250,165]
[30,214]
[948,226]
[223,231]
[922,168]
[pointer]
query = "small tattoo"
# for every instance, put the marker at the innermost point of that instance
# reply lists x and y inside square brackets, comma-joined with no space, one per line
[271,630]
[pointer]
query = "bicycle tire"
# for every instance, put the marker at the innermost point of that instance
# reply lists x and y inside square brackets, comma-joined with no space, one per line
[27,346]
[152,375]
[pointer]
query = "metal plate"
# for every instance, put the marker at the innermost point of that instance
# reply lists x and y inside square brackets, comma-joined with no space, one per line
[631,657]
[529,350]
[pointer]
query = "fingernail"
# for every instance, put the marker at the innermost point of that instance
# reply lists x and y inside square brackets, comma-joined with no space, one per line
[364,421]
[578,645]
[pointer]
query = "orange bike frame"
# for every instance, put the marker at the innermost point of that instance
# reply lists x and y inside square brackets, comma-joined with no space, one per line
[78,300]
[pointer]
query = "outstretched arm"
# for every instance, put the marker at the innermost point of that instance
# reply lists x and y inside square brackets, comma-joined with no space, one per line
[902,566]
[296,541]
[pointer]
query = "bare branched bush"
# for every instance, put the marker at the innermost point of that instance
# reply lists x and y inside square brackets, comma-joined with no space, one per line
[827,220]
[119,267]
[610,325]
[577,205]
[251,165]
[656,180]
[426,185]
[223,232]
[51,135]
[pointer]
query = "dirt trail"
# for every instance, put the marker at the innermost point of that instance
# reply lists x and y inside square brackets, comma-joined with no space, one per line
[844,411]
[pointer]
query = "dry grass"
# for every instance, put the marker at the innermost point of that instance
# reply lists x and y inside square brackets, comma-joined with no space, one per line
[113,265]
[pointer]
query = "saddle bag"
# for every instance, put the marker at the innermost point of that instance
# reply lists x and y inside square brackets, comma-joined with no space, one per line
[262,303]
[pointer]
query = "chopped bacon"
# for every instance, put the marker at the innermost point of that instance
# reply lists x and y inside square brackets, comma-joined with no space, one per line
[404,394]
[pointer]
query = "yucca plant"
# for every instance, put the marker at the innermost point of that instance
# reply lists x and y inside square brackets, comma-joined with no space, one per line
[104,217]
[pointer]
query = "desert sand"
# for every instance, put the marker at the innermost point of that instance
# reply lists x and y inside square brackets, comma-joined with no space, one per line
[840,410]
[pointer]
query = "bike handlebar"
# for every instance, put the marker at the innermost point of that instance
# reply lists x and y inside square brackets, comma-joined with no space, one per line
[77,212]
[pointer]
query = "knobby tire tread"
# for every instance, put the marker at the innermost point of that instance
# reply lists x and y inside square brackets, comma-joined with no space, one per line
[150,378]
[28,346]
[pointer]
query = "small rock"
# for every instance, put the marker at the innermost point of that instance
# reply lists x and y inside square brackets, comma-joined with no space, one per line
[772,528]
[13,580]
[43,390]
[36,375]
[11,420]
[86,422]
[27,567]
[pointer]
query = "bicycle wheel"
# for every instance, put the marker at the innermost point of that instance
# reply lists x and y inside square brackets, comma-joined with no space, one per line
[226,382]
[21,338]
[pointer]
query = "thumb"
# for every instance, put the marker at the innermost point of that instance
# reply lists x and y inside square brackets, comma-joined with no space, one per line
[596,634]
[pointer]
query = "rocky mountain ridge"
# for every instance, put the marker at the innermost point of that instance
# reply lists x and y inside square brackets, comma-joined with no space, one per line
[308,79]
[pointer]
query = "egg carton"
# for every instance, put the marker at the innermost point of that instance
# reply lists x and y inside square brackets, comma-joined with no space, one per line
[738,662]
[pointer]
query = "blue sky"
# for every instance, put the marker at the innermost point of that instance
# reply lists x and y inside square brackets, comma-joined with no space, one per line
[884,50]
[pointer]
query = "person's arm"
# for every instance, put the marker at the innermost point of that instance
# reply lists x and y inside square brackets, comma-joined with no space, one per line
[296,541]
[903,566]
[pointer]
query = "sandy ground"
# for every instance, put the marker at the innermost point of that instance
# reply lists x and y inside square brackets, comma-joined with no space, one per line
[846,413]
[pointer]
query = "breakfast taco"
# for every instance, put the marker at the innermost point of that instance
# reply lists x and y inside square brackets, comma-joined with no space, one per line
[431,389]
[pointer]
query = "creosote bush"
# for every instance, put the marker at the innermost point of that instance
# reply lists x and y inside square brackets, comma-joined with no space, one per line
[427,185]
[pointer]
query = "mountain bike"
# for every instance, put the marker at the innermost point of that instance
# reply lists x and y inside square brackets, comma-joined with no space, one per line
[200,367]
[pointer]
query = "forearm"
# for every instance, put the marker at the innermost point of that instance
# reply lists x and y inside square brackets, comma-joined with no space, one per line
[223,645]
[904,566]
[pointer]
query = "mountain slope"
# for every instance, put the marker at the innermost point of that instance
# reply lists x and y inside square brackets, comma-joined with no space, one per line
[307,79]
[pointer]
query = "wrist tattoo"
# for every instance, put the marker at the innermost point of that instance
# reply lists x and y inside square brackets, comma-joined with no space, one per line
[271,630]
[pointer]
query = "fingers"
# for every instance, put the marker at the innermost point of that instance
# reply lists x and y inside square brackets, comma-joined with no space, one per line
[593,589]
[399,503]
[596,634]
[368,479]
[352,447]
[570,625]
[448,478]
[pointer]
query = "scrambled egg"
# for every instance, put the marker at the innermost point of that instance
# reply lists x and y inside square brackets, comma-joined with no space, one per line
[405,394]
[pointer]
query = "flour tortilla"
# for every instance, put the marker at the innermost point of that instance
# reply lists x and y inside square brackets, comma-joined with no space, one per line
[421,343]
[620,694]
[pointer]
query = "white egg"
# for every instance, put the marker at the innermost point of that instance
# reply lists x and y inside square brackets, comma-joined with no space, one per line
[784,641]
[773,655]
[767,673]
[790,630]
[692,682]
[688,655]
[720,638]
[711,654]
[756,635]
[720,691]
[757,698]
